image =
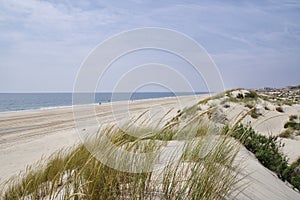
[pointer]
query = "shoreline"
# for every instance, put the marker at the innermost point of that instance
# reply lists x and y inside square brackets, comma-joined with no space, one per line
[49,130]
[58,131]
[104,102]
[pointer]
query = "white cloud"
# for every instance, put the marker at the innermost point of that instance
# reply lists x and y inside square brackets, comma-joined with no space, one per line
[59,34]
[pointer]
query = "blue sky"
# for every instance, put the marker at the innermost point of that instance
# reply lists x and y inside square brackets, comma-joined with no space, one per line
[43,43]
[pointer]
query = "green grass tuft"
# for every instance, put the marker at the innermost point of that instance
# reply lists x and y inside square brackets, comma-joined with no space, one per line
[202,172]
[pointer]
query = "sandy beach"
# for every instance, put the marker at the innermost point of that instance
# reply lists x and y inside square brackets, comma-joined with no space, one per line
[96,100]
[27,136]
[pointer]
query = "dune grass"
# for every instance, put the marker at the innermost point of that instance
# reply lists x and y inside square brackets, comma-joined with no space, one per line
[204,169]
[268,150]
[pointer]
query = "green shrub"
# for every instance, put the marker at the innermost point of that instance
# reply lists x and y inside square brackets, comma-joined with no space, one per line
[252,94]
[293,125]
[226,106]
[287,133]
[288,102]
[254,114]
[293,117]
[295,181]
[266,149]
[250,105]
[267,108]
[280,109]
[292,174]
[240,96]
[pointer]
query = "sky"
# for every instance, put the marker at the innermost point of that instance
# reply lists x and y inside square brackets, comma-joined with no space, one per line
[254,44]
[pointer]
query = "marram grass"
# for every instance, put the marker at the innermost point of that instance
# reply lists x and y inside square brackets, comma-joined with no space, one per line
[204,170]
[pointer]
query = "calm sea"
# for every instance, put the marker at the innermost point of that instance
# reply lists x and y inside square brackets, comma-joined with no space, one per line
[30,101]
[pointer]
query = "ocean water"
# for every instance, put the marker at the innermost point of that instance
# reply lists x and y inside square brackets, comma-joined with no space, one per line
[30,101]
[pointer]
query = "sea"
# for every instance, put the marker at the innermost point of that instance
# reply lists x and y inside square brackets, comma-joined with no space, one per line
[31,101]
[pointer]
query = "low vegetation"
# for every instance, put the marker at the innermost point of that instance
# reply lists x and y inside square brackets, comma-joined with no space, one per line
[292,127]
[284,96]
[267,151]
[293,117]
[292,174]
[204,169]
[252,95]
[254,113]
[279,109]
[288,133]
[201,172]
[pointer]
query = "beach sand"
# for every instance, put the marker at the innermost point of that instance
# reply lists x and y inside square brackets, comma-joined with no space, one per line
[27,136]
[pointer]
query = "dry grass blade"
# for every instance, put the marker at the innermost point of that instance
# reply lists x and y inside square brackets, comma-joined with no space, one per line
[203,171]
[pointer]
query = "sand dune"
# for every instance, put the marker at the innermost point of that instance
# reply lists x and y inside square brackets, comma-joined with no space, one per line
[27,136]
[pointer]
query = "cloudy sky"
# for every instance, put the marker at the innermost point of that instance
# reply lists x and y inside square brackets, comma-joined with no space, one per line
[43,43]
